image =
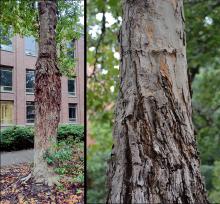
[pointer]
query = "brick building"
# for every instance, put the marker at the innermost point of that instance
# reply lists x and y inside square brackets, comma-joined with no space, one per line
[17,70]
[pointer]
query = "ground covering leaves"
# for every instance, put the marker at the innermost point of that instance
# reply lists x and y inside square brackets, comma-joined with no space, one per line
[70,190]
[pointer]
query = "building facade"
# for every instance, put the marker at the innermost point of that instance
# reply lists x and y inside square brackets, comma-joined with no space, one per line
[17,74]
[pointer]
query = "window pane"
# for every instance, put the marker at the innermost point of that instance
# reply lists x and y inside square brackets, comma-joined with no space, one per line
[6,43]
[71,87]
[71,48]
[30,112]
[6,112]
[6,79]
[30,46]
[72,112]
[30,80]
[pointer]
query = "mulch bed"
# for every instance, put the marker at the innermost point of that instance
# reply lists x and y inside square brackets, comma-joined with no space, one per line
[15,191]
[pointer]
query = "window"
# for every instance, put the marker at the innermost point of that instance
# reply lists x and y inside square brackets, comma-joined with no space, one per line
[30,112]
[6,43]
[6,79]
[30,46]
[72,112]
[72,87]
[71,49]
[30,81]
[6,112]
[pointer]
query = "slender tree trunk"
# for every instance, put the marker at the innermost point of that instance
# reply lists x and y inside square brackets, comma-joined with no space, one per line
[47,91]
[154,158]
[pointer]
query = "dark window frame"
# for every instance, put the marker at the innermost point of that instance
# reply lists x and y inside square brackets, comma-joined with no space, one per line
[29,90]
[71,93]
[30,120]
[72,119]
[3,88]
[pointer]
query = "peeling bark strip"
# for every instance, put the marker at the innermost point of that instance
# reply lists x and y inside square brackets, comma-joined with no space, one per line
[154,158]
[47,90]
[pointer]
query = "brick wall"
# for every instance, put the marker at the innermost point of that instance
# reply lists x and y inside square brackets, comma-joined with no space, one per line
[19,61]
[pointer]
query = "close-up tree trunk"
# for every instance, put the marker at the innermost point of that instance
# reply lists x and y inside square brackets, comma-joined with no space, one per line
[47,91]
[154,158]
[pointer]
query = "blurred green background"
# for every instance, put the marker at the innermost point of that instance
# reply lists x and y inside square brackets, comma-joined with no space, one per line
[203,56]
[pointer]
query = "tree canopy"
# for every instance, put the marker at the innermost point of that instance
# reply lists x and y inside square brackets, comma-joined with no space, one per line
[21,17]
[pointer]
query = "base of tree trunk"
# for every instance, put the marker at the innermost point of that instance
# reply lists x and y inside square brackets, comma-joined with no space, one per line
[47,176]
[43,173]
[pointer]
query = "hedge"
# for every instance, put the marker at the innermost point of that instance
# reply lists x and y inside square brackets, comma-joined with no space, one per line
[18,138]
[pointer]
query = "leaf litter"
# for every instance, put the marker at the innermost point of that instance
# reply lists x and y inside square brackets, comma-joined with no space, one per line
[15,191]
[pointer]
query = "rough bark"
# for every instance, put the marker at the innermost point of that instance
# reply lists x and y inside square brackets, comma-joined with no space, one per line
[154,158]
[47,91]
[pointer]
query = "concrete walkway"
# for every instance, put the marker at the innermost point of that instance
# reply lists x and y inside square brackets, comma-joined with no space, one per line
[17,157]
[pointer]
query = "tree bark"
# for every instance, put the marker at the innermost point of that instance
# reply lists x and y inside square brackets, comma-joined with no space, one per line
[47,91]
[154,158]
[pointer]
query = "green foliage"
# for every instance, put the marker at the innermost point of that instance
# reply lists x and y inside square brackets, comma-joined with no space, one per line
[78,191]
[97,157]
[102,89]
[66,159]
[60,187]
[203,38]
[68,25]
[58,156]
[74,132]
[103,25]
[21,17]
[103,68]
[215,193]
[206,100]
[207,172]
[79,178]
[17,138]
[203,35]
[68,28]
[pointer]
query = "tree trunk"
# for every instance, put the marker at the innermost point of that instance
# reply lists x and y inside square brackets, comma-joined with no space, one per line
[47,91]
[154,158]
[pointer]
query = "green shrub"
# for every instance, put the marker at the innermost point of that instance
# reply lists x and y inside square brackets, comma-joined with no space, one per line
[18,138]
[75,132]
[15,138]
[214,195]
[207,172]
[59,158]
[64,157]
[97,157]
[79,178]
